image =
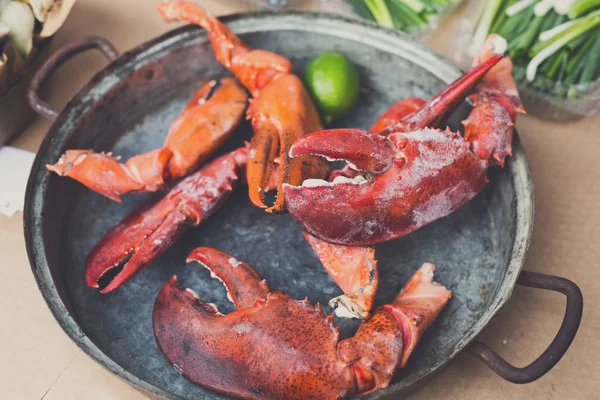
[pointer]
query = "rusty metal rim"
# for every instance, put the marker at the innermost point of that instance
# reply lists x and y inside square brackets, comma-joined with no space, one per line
[442,68]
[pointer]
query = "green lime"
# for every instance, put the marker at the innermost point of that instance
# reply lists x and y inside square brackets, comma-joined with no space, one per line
[333,83]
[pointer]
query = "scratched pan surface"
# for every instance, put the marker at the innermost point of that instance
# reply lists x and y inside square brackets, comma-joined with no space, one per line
[128,107]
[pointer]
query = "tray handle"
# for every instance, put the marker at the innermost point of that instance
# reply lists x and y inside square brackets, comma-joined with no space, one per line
[550,357]
[59,58]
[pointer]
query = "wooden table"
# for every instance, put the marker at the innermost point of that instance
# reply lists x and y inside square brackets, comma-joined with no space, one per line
[39,361]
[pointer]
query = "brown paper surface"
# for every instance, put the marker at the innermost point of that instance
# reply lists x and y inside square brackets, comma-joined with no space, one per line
[38,360]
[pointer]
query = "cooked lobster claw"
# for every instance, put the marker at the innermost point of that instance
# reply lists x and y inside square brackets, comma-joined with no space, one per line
[281,110]
[276,347]
[150,230]
[208,120]
[354,268]
[432,173]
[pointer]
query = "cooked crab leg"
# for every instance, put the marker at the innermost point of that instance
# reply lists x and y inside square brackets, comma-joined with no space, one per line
[281,110]
[420,174]
[150,230]
[276,347]
[204,125]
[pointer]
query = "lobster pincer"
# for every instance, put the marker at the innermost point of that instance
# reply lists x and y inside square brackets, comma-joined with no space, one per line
[150,230]
[277,347]
[208,120]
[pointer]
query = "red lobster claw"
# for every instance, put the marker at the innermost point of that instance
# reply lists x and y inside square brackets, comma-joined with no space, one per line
[363,211]
[150,230]
[354,268]
[275,347]
[431,173]
[208,120]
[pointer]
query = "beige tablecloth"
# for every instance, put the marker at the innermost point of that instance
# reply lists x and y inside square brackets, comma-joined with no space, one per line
[37,360]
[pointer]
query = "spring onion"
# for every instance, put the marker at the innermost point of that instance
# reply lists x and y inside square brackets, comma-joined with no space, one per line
[580,7]
[543,7]
[550,33]
[562,7]
[407,15]
[381,13]
[416,5]
[518,7]
[485,21]
[592,67]
[556,40]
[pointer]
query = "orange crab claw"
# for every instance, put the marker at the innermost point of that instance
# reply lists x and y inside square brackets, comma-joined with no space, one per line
[205,124]
[433,172]
[104,173]
[276,347]
[281,110]
[150,230]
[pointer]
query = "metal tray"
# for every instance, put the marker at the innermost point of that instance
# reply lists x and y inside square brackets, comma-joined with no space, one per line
[127,108]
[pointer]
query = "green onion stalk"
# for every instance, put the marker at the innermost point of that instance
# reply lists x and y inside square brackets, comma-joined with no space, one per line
[555,41]
[406,15]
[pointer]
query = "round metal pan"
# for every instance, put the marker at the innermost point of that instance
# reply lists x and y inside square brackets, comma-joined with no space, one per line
[127,108]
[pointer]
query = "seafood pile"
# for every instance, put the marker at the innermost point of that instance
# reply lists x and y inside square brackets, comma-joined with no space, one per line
[404,172]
